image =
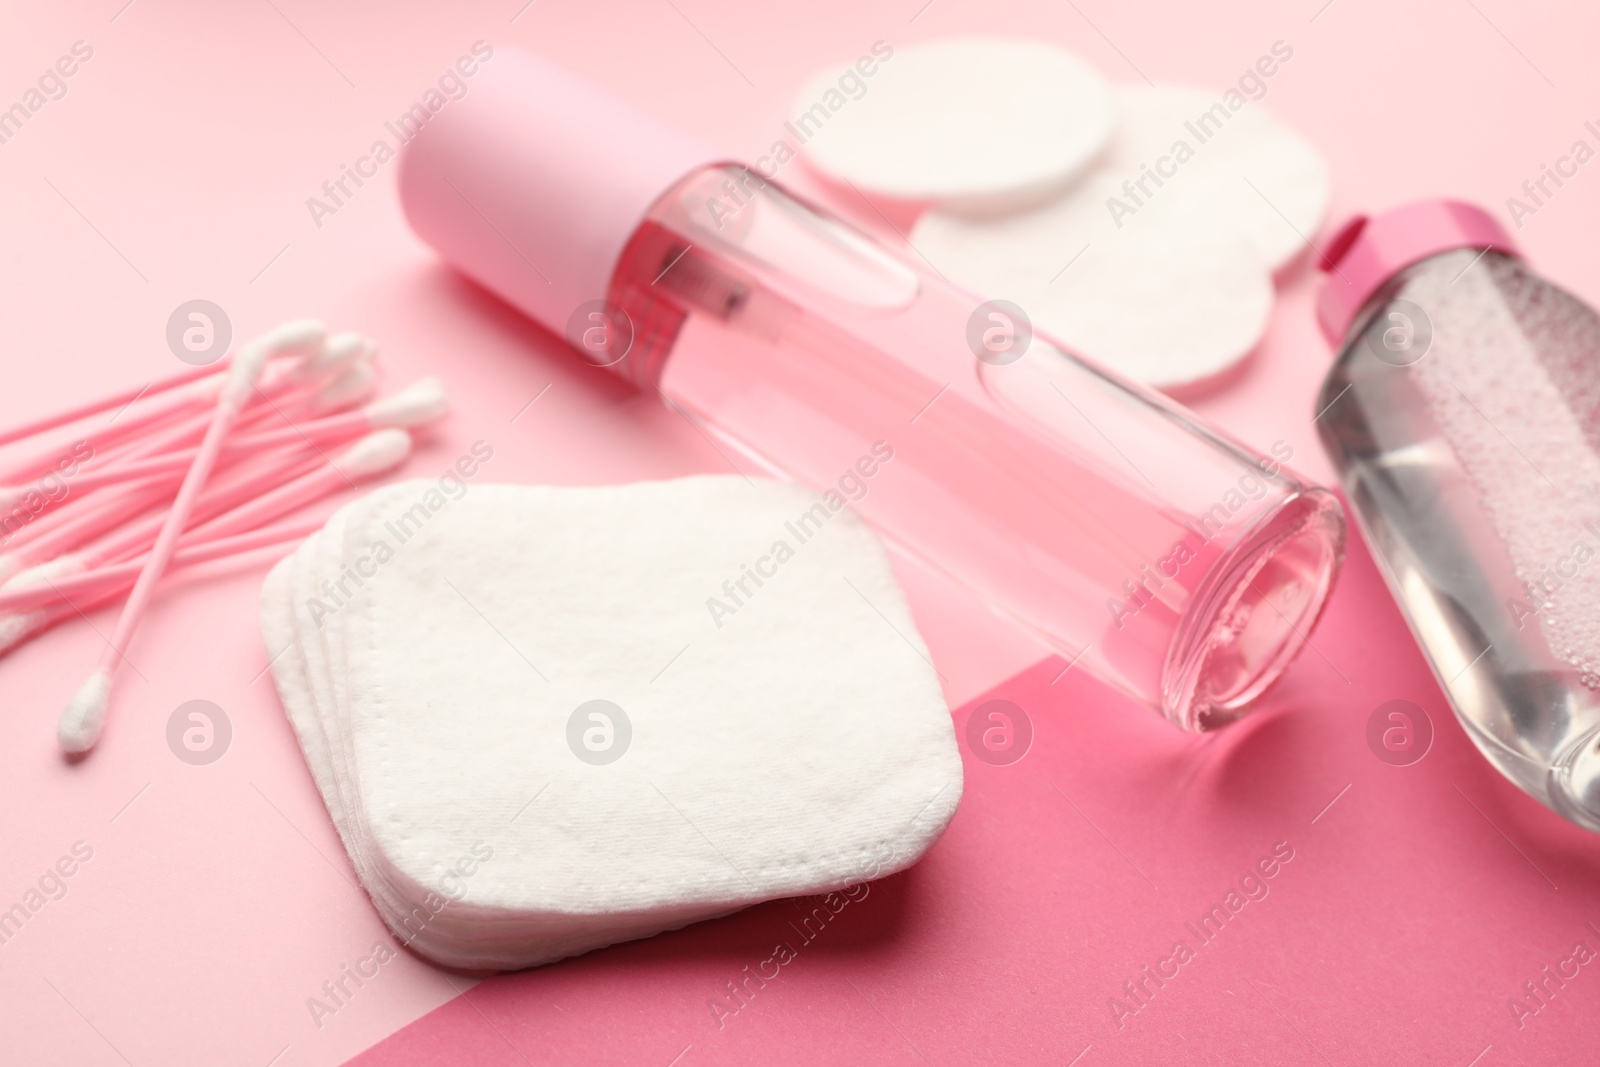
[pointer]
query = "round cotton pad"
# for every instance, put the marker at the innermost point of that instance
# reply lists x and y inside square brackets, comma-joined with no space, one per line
[977,125]
[1165,298]
[1241,168]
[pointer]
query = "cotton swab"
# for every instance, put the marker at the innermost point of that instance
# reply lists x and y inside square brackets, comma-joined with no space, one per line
[185,391]
[98,589]
[116,400]
[340,390]
[126,513]
[417,406]
[421,404]
[106,403]
[124,464]
[338,349]
[341,384]
[203,392]
[338,352]
[376,454]
[115,577]
[45,539]
[354,386]
[15,629]
[211,436]
[85,714]
[324,364]
[247,496]
[233,504]
[172,420]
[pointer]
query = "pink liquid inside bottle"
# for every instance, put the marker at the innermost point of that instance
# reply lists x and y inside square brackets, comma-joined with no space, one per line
[1144,547]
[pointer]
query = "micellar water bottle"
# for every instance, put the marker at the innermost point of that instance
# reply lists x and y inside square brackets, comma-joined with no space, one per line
[1167,560]
[1463,413]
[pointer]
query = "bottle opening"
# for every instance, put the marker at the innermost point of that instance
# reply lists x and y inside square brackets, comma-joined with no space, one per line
[1242,633]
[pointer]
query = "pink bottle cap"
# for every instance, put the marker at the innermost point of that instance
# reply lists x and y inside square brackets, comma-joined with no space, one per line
[1367,252]
[533,182]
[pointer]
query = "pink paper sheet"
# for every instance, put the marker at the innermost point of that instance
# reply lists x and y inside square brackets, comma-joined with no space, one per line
[1414,903]
[217,901]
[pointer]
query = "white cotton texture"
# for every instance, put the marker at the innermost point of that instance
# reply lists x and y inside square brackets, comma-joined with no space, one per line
[1158,261]
[976,125]
[1243,167]
[432,647]
[1166,300]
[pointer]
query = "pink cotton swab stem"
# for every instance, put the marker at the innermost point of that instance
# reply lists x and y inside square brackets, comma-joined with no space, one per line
[171,407]
[79,526]
[26,504]
[115,577]
[327,362]
[417,406]
[124,539]
[49,536]
[85,714]
[249,498]
[165,465]
[133,529]
[17,627]
[259,408]
[337,350]
[58,419]
[154,456]
[126,397]
[373,455]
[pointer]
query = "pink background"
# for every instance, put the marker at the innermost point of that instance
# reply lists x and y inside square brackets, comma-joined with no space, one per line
[218,898]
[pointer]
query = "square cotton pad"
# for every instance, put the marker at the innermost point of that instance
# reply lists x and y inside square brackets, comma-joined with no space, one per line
[548,719]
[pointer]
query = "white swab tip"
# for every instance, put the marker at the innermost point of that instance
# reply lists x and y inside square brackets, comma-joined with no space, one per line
[295,336]
[85,715]
[14,628]
[343,345]
[352,387]
[334,354]
[67,563]
[416,405]
[246,369]
[375,453]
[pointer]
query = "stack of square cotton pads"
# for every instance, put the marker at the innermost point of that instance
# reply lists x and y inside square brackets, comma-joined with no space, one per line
[1141,225]
[549,719]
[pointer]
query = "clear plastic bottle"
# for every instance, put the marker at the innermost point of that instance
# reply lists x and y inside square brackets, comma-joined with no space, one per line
[1143,546]
[1463,413]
